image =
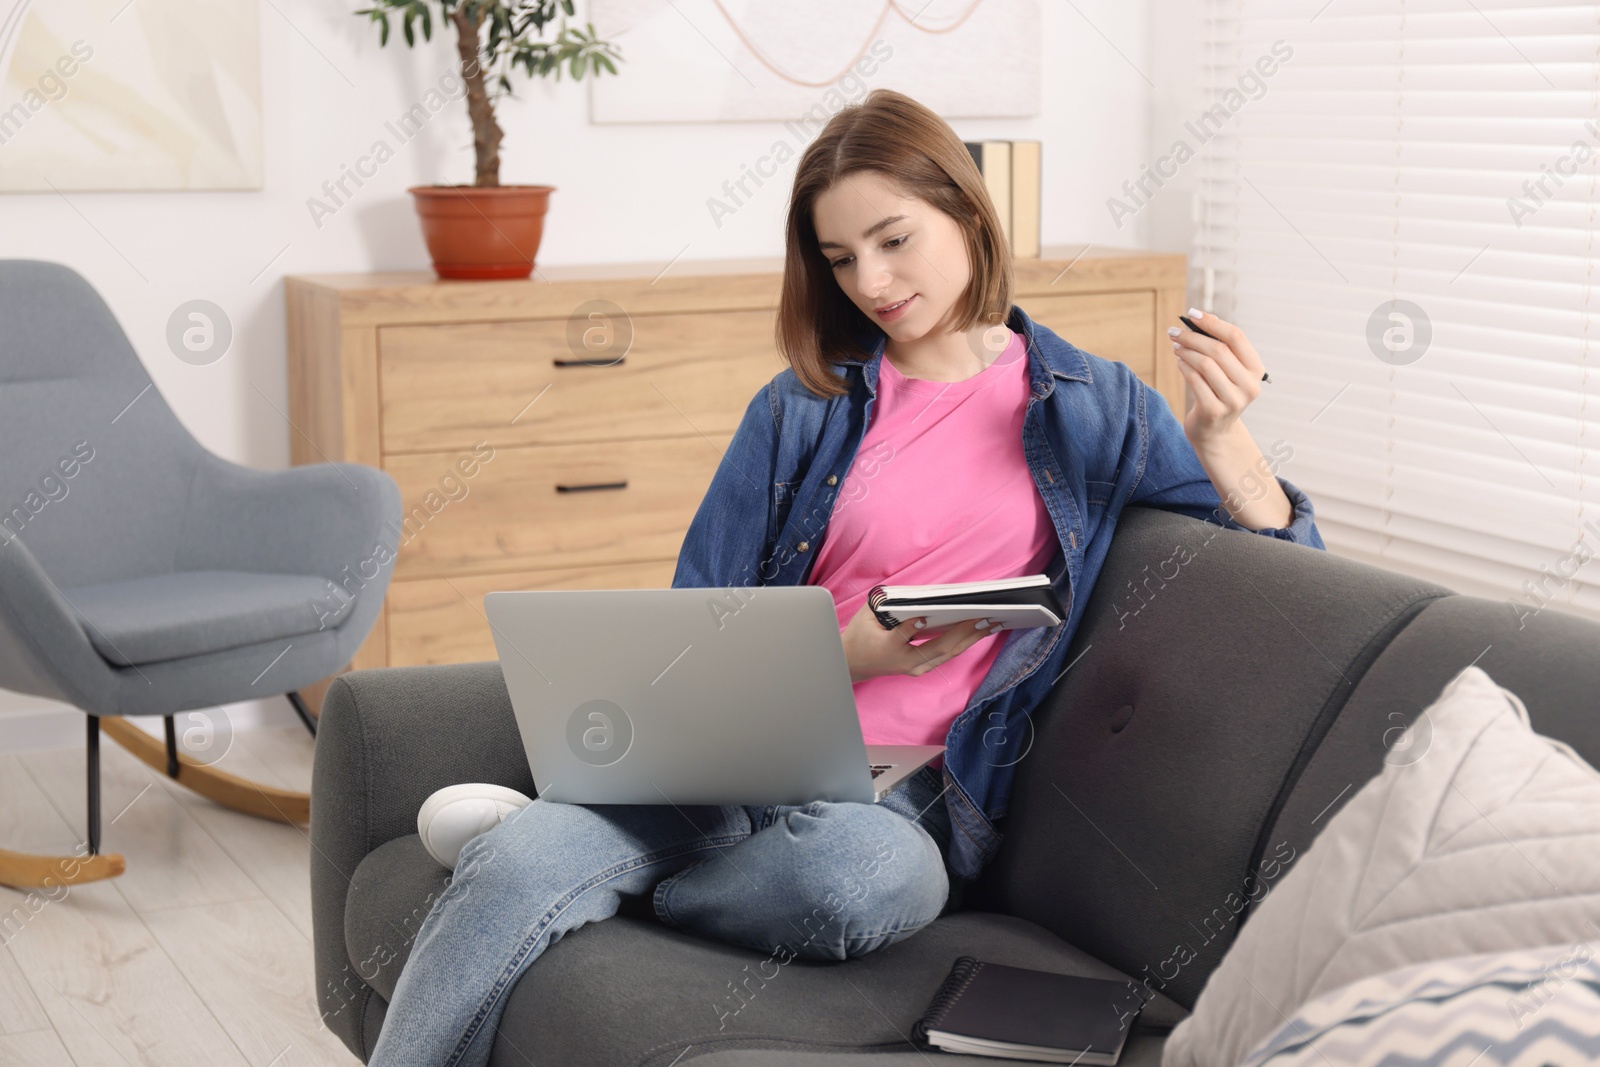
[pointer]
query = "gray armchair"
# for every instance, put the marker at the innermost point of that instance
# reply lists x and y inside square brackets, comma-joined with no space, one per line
[142,575]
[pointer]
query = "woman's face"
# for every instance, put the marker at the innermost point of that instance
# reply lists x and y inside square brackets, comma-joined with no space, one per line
[884,248]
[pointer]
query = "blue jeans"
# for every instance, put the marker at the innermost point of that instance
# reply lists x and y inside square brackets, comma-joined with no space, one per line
[822,881]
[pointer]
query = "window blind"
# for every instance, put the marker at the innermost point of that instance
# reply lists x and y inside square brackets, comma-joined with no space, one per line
[1402,218]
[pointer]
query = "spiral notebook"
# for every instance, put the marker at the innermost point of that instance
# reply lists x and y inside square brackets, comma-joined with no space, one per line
[990,1009]
[1013,603]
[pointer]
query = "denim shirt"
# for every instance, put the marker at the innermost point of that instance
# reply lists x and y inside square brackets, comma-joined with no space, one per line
[1097,440]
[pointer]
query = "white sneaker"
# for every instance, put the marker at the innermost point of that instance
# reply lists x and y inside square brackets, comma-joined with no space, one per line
[457,813]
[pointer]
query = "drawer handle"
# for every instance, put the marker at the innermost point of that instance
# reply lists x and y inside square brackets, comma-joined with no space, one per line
[590,362]
[592,485]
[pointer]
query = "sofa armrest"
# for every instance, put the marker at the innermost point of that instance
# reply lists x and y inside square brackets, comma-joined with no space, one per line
[386,740]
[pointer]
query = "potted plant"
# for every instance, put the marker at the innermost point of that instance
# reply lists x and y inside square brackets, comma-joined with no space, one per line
[489,230]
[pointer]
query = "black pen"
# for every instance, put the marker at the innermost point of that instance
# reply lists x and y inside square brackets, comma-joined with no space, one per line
[1187,321]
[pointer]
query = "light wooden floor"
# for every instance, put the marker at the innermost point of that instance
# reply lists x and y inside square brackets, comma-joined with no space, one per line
[200,954]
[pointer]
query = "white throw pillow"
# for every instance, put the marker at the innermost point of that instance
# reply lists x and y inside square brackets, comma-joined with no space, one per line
[1534,1006]
[1489,842]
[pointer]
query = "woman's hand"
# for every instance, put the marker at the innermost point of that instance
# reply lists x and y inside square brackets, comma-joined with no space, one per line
[1224,373]
[870,650]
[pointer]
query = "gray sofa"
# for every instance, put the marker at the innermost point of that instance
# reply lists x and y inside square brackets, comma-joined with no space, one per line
[1229,693]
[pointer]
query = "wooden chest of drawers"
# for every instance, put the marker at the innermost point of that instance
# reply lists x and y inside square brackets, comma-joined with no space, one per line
[560,432]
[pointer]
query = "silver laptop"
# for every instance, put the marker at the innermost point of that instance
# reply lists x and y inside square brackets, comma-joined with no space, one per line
[689,696]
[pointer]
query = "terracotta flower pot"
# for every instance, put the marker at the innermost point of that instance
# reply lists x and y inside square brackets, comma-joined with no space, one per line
[482,232]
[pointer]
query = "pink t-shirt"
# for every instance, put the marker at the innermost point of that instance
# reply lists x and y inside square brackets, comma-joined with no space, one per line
[939,491]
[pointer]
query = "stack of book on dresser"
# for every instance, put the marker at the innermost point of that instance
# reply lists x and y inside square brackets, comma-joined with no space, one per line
[1013,174]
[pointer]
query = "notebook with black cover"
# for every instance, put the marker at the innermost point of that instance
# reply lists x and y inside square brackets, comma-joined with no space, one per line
[990,1009]
[1013,603]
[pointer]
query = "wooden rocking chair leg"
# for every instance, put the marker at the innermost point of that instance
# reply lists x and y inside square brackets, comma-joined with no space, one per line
[298,702]
[229,790]
[22,871]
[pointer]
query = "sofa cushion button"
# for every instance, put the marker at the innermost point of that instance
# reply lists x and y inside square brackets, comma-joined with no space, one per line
[1120,718]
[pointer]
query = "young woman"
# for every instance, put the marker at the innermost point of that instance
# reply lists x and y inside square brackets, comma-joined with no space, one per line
[926,430]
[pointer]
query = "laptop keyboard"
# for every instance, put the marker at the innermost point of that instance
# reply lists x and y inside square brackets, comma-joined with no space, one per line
[879,768]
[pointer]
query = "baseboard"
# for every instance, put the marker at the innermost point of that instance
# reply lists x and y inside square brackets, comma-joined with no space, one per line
[47,725]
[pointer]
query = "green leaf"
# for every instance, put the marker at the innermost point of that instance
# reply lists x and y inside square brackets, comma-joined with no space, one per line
[509,35]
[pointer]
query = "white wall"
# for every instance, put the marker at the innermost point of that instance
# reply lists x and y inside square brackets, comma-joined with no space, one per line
[624,193]
[1175,68]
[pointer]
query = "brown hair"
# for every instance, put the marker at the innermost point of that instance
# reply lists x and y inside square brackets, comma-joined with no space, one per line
[914,148]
